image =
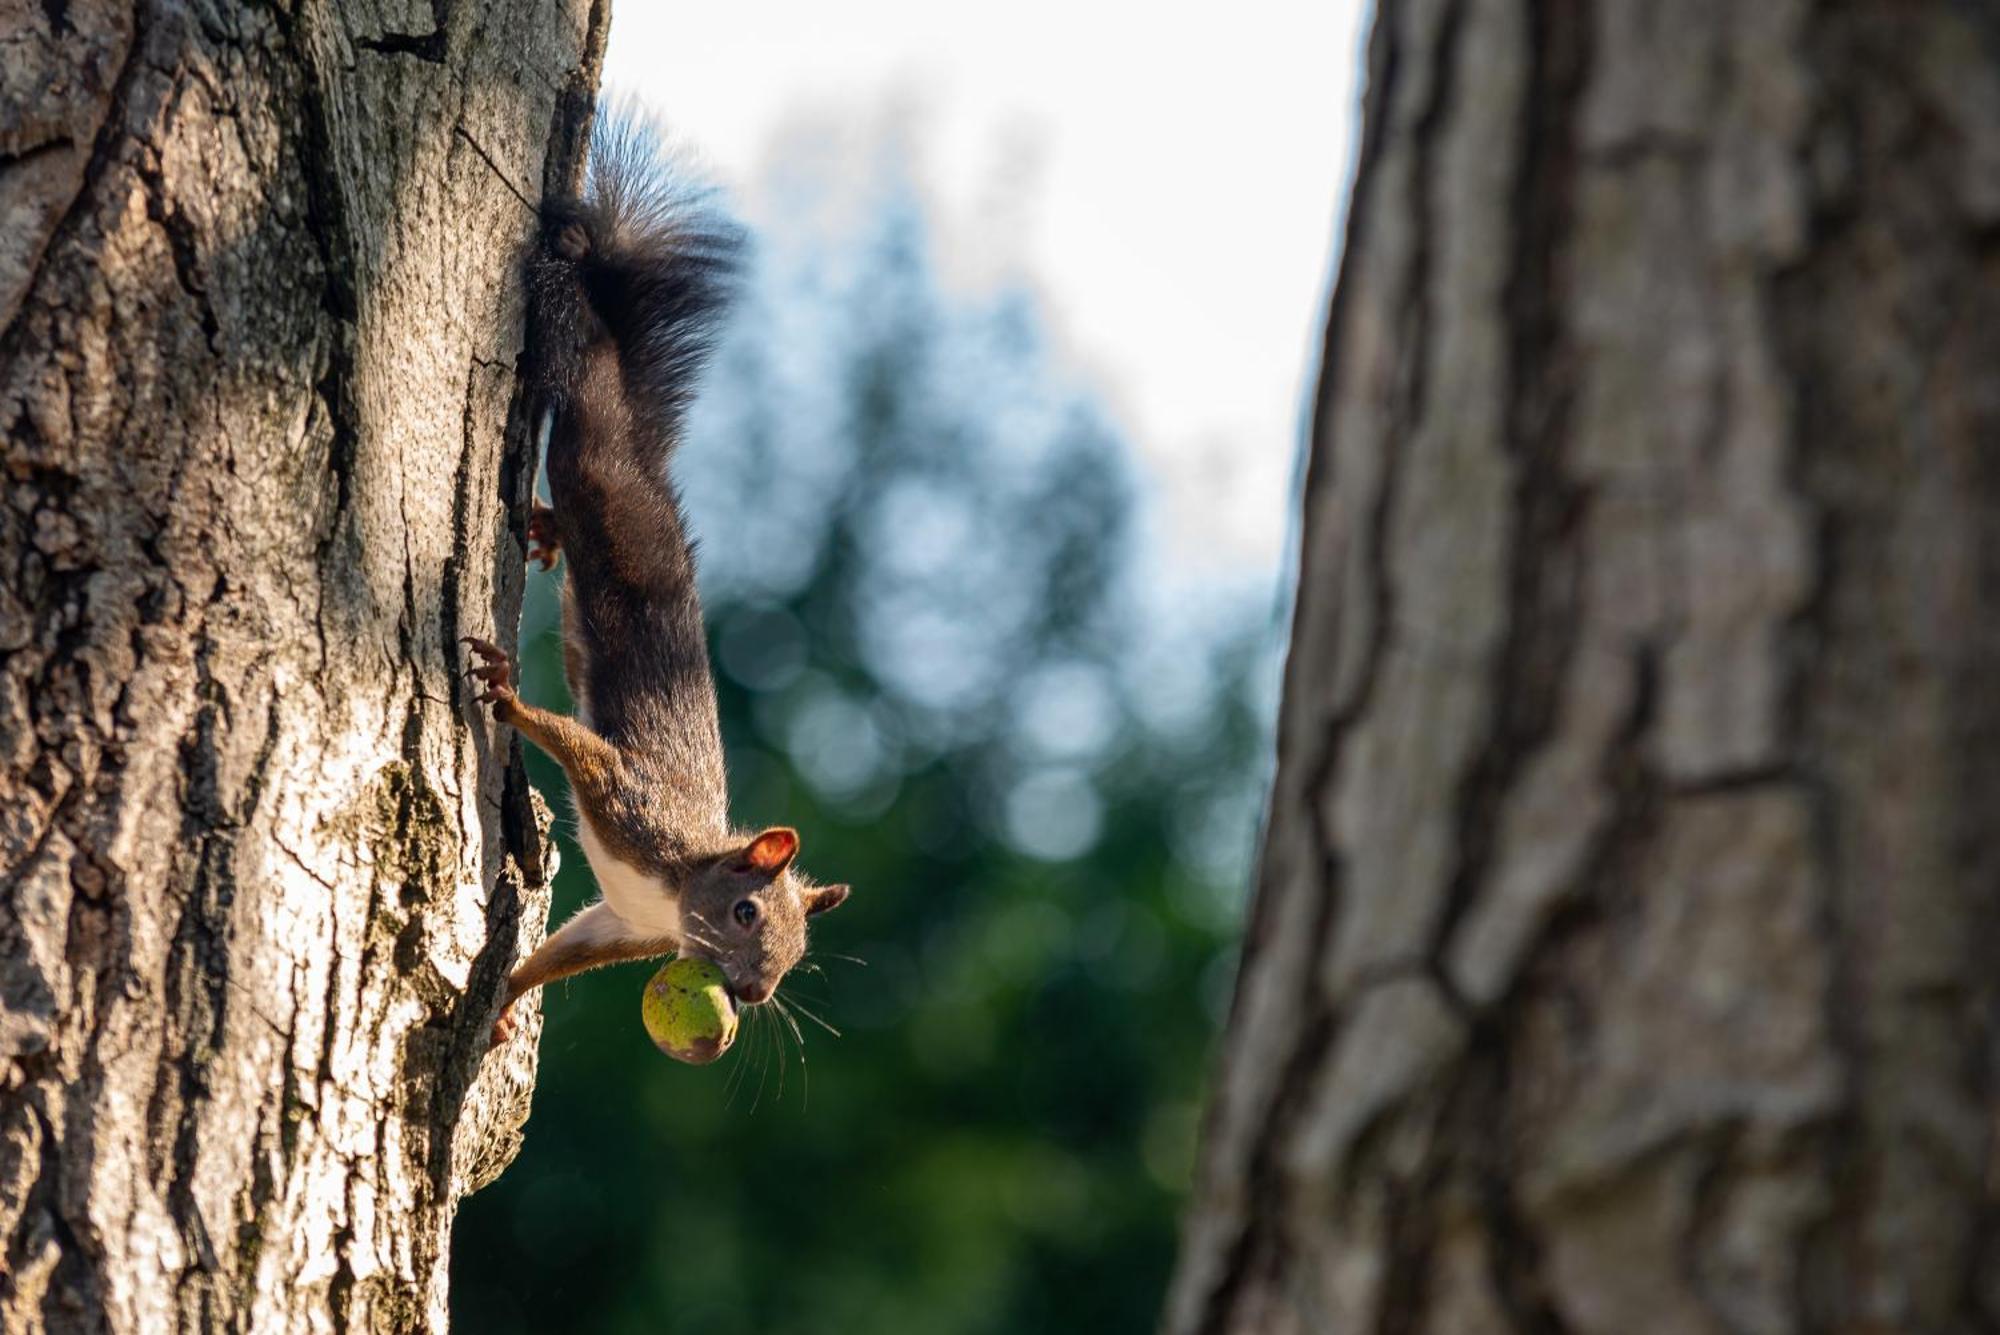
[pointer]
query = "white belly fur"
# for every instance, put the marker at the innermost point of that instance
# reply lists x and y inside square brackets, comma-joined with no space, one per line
[646,903]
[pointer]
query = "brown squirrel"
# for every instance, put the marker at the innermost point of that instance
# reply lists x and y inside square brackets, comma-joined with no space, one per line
[626,288]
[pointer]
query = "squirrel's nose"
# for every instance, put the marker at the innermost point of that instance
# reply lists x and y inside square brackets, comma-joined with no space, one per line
[753,993]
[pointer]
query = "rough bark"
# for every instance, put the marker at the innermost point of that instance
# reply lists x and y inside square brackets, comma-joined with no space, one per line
[1623,953]
[263,865]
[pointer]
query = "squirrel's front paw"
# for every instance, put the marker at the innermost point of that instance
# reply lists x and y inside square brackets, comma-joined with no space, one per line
[496,672]
[503,1030]
[543,543]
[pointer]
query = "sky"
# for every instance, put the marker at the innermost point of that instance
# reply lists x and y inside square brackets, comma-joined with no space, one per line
[1167,178]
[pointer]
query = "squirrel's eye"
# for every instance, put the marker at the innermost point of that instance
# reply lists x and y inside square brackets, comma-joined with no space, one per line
[745,913]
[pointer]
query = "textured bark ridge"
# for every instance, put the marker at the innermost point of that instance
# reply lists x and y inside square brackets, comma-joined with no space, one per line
[1624,952]
[261,865]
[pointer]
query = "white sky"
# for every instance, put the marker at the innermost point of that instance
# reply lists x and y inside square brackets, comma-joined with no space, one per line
[1170,177]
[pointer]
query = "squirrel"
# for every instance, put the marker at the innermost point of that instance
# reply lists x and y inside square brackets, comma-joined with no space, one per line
[626,287]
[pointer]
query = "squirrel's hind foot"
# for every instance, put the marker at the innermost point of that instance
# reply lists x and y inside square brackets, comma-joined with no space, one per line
[571,241]
[496,671]
[544,544]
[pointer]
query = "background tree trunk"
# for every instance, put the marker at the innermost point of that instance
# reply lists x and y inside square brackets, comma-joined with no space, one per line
[264,866]
[1623,957]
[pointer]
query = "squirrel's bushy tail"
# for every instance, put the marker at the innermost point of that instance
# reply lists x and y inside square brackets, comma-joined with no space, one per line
[648,259]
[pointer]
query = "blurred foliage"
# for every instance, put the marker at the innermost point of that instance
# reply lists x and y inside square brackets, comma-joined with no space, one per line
[938,656]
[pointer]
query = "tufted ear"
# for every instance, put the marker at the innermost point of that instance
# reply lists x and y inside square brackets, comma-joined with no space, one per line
[823,897]
[772,851]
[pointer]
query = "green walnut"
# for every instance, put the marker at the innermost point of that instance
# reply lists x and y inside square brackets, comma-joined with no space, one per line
[688,1010]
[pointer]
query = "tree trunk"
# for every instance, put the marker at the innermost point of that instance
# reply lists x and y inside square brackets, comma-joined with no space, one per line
[1624,952]
[264,864]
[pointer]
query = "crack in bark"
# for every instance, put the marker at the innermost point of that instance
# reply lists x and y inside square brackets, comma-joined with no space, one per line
[1542,621]
[21,156]
[1409,1238]
[430,47]
[78,1246]
[183,244]
[426,46]
[1636,794]
[197,970]
[1513,1248]
[332,234]
[57,14]
[1543,602]
[498,175]
[1810,630]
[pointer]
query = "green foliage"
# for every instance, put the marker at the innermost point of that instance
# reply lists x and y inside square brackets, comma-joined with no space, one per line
[936,658]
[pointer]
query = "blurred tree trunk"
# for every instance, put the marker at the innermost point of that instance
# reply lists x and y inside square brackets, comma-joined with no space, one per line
[1624,954]
[261,866]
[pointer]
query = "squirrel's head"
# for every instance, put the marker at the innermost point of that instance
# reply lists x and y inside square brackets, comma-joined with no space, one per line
[746,909]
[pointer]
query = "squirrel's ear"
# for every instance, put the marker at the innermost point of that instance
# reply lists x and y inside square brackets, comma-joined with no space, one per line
[821,898]
[772,851]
